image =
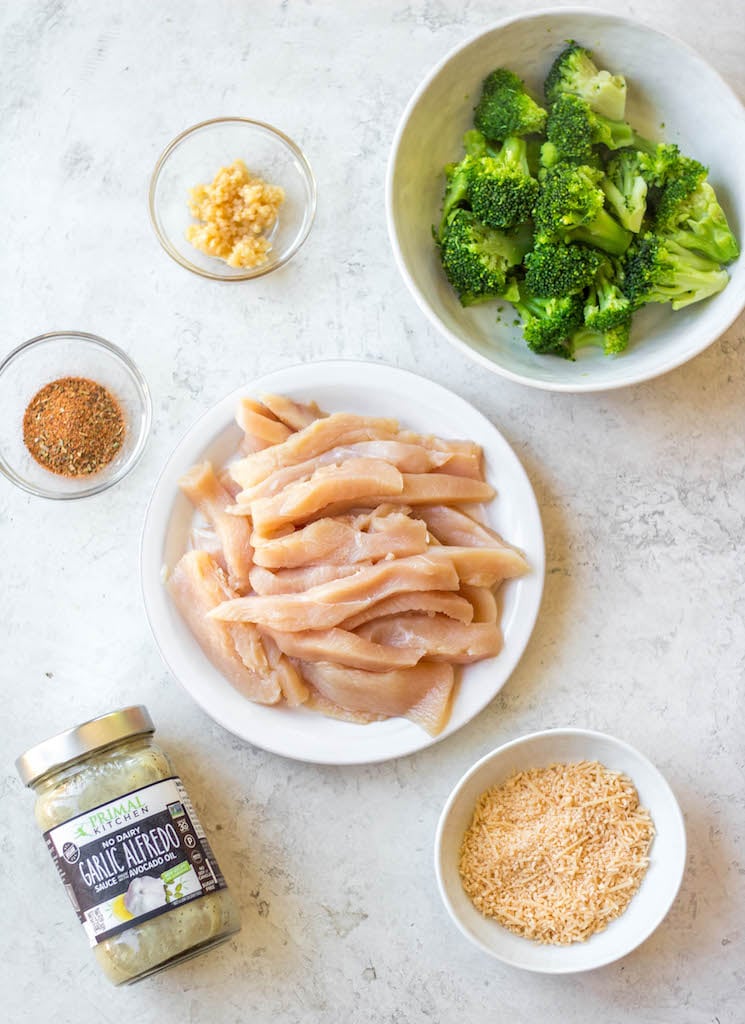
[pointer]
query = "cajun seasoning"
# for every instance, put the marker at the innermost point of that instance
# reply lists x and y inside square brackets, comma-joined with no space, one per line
[73,427]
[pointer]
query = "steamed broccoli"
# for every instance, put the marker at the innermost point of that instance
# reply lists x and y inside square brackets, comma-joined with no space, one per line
[505,108]
[625,188]
[665,163]
[457,175]
[548,324]
[689,213]
[572,216]
[477,259]
[570,209]
[574,71]
[606,307]
[501,191]
[613,340]
[555,269]
[658,269]
[574,129]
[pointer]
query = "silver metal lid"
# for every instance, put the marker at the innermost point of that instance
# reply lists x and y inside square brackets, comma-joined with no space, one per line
[67,747]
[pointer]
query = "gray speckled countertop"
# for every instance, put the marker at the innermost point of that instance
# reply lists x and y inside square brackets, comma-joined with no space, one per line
[642,493]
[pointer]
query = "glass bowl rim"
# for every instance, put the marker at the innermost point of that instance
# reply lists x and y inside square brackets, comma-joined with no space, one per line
[253,272]
[143,392]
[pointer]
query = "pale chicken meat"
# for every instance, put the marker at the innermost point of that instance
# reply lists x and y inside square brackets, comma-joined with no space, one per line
[455,606]
[454,526]
[350,483]
[333,431]
[294,581]
[481,567]
[197,585]
[423,489]
[442,639]
[286,674]
[344,540]
[203,489]
[295,415]
[345,571]
[407,458]
[255,420]
[421,693]
[345,648]
[329,604]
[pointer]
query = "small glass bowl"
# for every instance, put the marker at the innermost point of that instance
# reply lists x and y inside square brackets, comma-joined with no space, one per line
[195,156]
[69,354]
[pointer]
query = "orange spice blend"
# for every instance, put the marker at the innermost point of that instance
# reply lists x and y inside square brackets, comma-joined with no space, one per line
[73,427]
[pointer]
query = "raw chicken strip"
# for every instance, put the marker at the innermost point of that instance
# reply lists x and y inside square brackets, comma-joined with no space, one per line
[427,489]
[421,693]
[481,567]
[296,415]
[256,421]
[290,681]
[204,490]
[344,542]
[342,428]
[443,639]
[483,602]
[329,604]
[454,526]
[197,585]
[453,605]
[407,458]
[317,702]
[295,581]
[351,483]
[344,648]
[464,464]
[440,444]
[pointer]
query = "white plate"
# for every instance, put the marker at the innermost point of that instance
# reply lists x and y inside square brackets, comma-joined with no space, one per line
[646,910]
[370,389]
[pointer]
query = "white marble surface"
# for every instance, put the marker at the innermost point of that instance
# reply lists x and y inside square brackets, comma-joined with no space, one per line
[642,492]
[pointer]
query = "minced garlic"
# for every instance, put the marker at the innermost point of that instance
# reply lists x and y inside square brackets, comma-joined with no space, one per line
[237,212]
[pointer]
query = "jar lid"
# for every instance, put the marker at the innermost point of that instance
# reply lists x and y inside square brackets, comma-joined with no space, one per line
[67,747]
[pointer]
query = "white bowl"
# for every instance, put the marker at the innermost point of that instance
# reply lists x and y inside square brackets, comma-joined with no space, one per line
[707,122]
[648,907]
[370,389]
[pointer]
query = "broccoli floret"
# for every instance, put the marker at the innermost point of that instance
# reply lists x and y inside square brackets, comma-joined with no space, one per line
[574,128]
[501,191]
[606,307]
[625,188]
[665,163]
[613,341]
[574,71]
[476,258]
[570,209]
[658,269]
[457,176]
[689,213]
[555,269]
[548,324]
[505,108]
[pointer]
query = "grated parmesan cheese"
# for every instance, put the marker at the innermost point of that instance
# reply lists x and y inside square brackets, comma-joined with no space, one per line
[555,854]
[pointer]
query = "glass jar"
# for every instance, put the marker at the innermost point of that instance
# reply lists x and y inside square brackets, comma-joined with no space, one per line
[128,846]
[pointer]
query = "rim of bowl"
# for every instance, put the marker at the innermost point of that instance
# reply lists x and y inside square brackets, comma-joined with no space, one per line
[143,393]
[254,272]
[519,741]
[578,387]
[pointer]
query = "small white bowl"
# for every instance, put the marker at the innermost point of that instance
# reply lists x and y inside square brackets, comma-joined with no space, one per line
[648,907]
[707,122]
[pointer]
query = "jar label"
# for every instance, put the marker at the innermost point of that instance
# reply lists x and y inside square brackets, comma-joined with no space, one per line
[134,858]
